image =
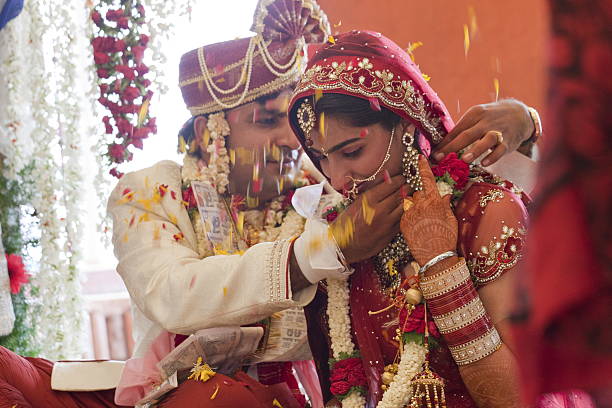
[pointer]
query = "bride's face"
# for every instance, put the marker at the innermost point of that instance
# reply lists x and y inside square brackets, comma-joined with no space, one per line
[348,152]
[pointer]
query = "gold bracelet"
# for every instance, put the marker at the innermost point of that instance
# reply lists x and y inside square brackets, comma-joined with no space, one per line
[445,281]
[537,124]
[460,317]
[476,349]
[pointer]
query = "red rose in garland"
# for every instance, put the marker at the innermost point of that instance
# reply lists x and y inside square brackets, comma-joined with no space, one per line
[456,168]
[17,273]
[346,374]
[119,49]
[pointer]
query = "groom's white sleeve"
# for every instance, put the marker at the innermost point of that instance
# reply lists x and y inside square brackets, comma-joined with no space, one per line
[164,274]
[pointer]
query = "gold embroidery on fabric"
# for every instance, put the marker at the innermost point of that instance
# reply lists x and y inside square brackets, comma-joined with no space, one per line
[491,195]
[365,80]
[501,254]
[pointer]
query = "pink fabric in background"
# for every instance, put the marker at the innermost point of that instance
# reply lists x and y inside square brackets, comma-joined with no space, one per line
[140,375]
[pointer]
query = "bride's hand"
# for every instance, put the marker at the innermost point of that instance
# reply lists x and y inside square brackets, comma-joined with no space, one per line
[428,224]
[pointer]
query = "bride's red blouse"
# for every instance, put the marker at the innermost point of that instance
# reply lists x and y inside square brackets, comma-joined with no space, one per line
[492,220]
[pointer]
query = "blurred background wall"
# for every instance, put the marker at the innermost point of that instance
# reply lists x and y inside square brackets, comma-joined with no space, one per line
[508,41]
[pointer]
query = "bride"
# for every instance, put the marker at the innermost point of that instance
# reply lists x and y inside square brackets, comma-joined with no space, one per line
[424,322]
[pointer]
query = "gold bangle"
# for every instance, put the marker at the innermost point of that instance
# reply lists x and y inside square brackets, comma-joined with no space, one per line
[537,124]
[445,281]
[460,317]
[476,349]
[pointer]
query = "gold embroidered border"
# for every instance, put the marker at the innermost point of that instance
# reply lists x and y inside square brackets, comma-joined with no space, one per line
[491,195]
[412,102]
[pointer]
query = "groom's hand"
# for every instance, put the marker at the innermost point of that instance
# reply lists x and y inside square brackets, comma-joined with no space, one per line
[478,129]
[374,222]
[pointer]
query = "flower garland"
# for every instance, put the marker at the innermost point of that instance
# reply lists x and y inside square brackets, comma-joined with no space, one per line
[118,54]
[277,221]
[452,175]
[160,25]
[17,238]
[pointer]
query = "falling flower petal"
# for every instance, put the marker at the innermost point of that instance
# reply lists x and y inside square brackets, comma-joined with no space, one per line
[426,77]
[206,137]
[331,39]
[182,145]
[387,176]
[466,39]
[142,114]
[374,104]
[368,212]
[412,47]
[240,222]
[214,394]
[318,94]
[473,23]
[496,86]
[322,124]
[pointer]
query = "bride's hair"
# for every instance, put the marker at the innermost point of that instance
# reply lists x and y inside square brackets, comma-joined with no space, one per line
[355,111]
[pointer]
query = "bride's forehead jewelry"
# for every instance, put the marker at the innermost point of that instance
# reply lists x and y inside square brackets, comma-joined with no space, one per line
[354,191]
[306,120]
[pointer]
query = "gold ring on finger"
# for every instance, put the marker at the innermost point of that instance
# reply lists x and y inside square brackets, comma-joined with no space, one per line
[499,136]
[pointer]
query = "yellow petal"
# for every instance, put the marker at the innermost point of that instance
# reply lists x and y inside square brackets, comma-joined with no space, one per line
[214,394]
[466,39]
[240,223]
[182,145]
[322,125]
[496,86]
[318,94]
[144,109]
[368,212]
[205,137]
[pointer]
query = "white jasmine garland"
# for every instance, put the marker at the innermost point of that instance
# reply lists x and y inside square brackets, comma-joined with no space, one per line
[410,364]
[338,308]
[217,171]
[444,188]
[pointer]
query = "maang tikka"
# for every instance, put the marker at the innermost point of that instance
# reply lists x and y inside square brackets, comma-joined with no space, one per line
[410,161]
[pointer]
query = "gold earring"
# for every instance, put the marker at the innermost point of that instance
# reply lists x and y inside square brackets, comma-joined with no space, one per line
[410,161]
[306,120]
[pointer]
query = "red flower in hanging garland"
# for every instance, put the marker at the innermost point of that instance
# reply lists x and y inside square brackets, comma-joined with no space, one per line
[17,273]
[119,48]
[346,375]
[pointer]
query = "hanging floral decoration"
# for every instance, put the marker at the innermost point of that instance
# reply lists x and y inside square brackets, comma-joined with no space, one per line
[119,47]
[17,272]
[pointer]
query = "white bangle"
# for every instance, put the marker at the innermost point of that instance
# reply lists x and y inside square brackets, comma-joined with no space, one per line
[435,260]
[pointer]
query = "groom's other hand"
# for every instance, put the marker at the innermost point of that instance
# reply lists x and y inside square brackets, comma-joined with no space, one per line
[498,126]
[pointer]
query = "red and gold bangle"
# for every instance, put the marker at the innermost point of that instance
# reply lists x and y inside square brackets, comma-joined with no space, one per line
[445,281]
[459,314]
[477,348]
[460,317]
